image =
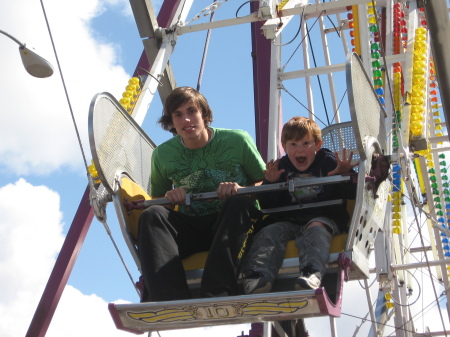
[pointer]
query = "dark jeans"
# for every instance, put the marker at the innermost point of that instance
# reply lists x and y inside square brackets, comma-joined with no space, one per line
[167,236]
[267,252]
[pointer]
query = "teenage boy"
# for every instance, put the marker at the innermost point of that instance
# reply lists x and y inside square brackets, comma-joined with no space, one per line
[197,159]
[311,228]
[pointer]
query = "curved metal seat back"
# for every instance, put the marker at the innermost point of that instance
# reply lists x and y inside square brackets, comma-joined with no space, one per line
[336,137]
[366,111]
[120,150]
[370,134]
[118,144]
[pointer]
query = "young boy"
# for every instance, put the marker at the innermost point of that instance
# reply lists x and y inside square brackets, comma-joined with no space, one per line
[312,228]
[197,159]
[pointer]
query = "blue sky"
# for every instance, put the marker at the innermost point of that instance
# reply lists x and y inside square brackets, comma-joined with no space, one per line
[42,174]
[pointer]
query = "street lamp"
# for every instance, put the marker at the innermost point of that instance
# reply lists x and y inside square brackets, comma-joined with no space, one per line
[34,64]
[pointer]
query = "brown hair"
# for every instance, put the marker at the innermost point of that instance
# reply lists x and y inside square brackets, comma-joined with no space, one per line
[177,98]
[298,127]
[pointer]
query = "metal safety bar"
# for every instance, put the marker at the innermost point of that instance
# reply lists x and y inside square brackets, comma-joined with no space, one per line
[291,185]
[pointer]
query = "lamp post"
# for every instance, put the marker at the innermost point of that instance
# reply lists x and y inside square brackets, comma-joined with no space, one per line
[34,64]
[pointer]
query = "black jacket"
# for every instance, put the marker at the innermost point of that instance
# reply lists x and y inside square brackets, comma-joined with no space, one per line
[324,162]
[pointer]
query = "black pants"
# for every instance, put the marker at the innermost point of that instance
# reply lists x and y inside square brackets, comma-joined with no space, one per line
[167,236]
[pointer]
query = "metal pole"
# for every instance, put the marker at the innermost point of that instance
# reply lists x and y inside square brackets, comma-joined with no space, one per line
[436,12]
[62,269]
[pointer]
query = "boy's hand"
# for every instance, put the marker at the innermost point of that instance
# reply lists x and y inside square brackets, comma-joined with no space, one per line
[227,189]
[271,173]
[344,165]
[177,196]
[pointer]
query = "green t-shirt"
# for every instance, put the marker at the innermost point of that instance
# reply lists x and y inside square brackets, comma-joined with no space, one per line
[230,156]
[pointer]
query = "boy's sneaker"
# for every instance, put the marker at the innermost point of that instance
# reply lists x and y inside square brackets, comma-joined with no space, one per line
[309,279]
[255,283]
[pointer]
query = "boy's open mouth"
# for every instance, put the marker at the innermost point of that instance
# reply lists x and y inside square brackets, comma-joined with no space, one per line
[300,160]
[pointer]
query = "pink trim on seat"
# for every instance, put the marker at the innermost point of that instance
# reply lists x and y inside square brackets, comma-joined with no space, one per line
[325,305]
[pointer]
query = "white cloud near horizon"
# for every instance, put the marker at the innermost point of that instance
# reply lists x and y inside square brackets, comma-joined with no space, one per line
[31,238]
[31,227]
[37,129]
[38,138]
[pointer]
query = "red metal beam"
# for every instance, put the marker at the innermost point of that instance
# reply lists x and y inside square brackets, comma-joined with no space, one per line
[261,82]
[62,269]
[78,229]
[165,16]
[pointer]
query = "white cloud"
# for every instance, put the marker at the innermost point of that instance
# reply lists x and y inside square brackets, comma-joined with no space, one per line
[38,135]
[91,313]
[31,237]
[82,315]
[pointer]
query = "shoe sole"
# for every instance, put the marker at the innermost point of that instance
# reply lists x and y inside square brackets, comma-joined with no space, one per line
[264,289]
[303,284]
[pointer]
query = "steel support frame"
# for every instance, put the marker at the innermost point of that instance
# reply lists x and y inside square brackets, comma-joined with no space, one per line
[75,237]
[436,12]
[62,269]
[263,67]
[261,83]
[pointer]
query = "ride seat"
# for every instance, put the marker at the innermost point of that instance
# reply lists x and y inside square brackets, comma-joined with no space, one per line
[122,151]
[334,137]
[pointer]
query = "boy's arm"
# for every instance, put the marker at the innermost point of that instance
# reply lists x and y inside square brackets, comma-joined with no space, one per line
[272,174]
[343,165]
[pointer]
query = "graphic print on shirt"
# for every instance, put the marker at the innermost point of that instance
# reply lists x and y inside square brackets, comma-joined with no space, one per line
[203,169]
[308,193]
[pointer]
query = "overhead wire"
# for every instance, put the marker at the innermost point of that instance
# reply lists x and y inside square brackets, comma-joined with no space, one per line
[418,296]
[210,9]
[78,136]
[383,54]
[198,86]
[369,286]
[242,5]
[283,88]
[307,35]
[428,307]
[318,79]
[65,87]
[339,105]
[290,58]
[385,324]
[369,320]
[108,231]
[205,51]
[418,233]
[415,214]
[300,43]
[298,31]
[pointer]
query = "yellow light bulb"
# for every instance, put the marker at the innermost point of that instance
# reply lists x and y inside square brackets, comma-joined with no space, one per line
[131,87]
[134,81]
[127,94]
[124,100]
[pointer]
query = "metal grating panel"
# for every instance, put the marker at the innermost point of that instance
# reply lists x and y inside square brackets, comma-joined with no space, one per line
[338,136]
[118,144]
[365,108]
